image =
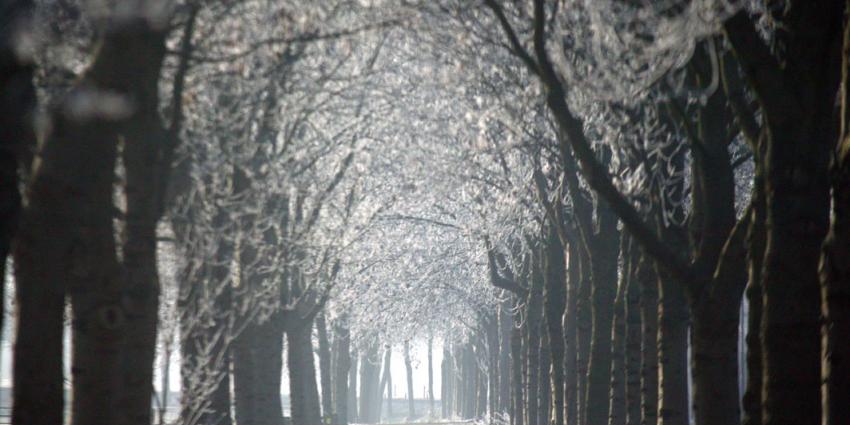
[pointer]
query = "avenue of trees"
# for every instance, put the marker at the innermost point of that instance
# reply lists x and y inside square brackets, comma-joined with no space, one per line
[607,212]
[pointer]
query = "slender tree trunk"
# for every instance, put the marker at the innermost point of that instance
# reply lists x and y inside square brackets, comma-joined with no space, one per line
[342,367]
[647,279]
[386,384]
[545,401]
[835,266]
[408,369]
[304,396]
[492,376]
[570,337]
[617,407]
[535,318]
[584,326]
[431,413]
[325,365]
[505,327]
[352,388]
[446,382]
[517,400]
[633,340]
[555,298]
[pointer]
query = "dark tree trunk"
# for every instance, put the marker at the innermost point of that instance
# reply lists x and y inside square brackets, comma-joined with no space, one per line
[584,326]
[617,406]
[603,260]
[835,266]
[647,280]
[797,99]
[17,135]
[554,299]
[545,401]
[257,362]
[534,328]
[633,339]
[672,354]
[304,396]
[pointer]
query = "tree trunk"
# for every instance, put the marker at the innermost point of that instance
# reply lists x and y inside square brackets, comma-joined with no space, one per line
[352,388]
[385,385]
[633,339]
[835,267]
[505,328]
[603,261]
[325,365]
[584,326]
[446,397]
[342,366]
[257,363]
[570,338]
[555,298]
[304,396]
[431,413]
[408,369]
[672,353]
[369,369]
[714,362]
[617,407]
[535,319]
[518,389]
[647,280]
[545,401]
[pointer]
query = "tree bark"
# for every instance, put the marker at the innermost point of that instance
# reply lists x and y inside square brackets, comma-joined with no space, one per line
[325,365]
[304,396]
[633,339]
[518,388]
[505,327]
[369,369]
[647,280]
[431,377]
[342,366]
[617,406]
[534,325]
[555,298]
[835,266]
[352,388]
[672,353]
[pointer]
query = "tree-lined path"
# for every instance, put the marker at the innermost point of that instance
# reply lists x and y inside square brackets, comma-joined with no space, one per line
[530,212]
